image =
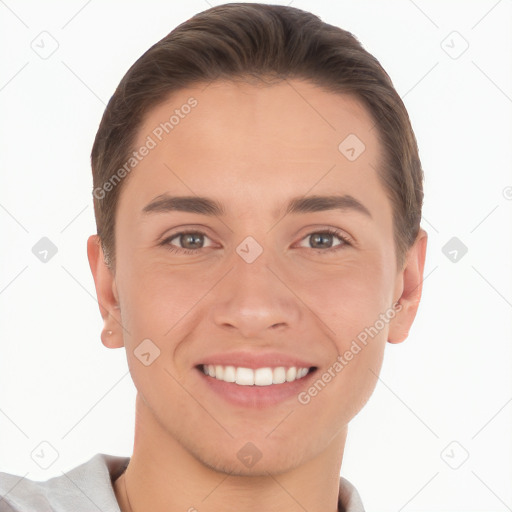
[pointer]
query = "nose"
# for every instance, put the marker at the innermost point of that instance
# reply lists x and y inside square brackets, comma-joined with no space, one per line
[255,298]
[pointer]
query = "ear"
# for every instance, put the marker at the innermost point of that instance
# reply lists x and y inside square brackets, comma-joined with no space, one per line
[106,291]
[408,289]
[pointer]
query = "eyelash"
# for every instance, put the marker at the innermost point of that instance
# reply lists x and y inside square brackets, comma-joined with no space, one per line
[328,231]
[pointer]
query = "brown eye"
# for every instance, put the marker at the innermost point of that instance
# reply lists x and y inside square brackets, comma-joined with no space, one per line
[321,240]
[189,242]
[324,241]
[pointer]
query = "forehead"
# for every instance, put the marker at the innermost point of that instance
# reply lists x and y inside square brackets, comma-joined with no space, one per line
[251,139]
[257,114]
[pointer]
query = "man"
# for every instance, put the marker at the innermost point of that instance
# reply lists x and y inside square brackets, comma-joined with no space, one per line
[258,192]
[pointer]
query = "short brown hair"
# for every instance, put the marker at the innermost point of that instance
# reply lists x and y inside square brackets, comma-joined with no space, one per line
[251,41]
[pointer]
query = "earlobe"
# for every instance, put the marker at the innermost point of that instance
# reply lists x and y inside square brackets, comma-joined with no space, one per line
[411,278]
[106,292]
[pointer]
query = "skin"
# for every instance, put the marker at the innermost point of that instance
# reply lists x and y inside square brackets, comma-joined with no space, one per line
[253,148]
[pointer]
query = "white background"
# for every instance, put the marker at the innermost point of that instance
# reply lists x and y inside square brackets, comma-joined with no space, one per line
[450,381]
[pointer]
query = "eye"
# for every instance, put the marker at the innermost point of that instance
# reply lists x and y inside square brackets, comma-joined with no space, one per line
[322,240]
[191,242]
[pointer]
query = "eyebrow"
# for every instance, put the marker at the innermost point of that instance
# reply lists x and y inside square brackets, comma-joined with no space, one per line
[206,206]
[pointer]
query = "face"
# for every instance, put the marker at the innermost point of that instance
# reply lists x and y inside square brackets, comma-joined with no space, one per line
[253,284]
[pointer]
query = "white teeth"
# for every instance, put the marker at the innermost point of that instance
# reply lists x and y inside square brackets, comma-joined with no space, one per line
[219,371]
[279,375]
[229,374]
[291,374]
[244,376]
[263,377]
[259,377]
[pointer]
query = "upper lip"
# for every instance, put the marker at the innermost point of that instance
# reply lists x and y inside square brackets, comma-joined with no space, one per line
[255,360]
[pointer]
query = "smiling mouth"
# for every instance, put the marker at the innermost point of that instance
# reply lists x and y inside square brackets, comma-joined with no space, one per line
[264,376]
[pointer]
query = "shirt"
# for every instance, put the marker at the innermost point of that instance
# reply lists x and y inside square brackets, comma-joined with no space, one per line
[89,487]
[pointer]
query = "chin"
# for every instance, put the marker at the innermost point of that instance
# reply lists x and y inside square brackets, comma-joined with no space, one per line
[249,460]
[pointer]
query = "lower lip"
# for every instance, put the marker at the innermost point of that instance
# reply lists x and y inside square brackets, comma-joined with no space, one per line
[256,397]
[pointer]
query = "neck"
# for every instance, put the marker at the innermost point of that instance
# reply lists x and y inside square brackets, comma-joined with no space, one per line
[163,475]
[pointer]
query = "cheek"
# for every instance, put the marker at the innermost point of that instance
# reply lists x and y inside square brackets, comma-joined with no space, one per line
[353,303]
[348,297]
[158,303]
[159,300]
